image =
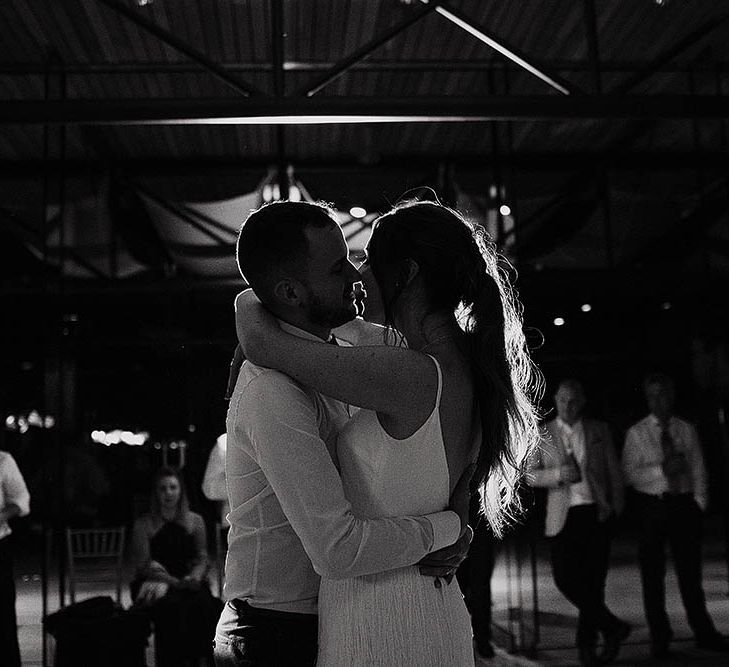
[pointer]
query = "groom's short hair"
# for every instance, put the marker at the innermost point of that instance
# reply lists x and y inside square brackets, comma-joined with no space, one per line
[273,239]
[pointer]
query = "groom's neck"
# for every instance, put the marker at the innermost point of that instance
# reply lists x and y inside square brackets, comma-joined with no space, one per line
[301,321]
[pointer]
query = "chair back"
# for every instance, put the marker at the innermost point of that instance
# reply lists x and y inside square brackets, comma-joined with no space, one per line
[95,556]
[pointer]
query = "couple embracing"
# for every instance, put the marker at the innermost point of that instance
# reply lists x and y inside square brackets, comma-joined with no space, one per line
[350,452]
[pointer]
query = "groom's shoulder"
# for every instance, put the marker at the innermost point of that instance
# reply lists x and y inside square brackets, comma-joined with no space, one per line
[265,385]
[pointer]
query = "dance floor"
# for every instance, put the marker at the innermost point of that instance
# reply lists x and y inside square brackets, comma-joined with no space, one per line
[513,629]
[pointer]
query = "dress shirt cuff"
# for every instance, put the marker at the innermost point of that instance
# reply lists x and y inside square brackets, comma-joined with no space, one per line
[446,528]
[22,502]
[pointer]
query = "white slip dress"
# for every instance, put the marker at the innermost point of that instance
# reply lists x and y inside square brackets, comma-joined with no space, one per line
[397,618]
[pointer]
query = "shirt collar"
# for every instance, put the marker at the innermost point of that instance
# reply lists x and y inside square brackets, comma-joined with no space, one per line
[301,333]
[566,427]
[654,421]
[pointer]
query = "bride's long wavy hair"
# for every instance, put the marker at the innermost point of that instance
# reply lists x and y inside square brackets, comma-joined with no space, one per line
[463,273]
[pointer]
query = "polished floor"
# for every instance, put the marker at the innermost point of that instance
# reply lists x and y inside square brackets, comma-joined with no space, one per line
[514,616]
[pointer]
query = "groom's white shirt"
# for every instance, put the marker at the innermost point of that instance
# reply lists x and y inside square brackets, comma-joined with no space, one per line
[289,516]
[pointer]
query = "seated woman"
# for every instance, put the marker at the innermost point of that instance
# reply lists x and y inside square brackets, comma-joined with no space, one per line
[171,563]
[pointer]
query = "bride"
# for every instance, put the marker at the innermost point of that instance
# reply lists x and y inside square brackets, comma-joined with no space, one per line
[460,392]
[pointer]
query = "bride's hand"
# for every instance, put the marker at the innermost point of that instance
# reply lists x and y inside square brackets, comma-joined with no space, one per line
[253,325]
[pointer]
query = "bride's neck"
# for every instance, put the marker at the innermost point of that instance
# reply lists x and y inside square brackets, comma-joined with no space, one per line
[422,330]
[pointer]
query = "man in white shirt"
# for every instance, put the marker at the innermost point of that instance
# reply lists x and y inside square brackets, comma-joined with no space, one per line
[578,465]
[213,484]
[290,520]
[663,463]
[14,501]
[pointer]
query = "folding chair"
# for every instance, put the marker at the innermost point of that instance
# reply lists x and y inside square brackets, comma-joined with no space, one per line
[95,557]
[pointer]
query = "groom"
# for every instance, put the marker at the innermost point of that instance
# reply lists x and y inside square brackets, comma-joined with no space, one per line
[290,520]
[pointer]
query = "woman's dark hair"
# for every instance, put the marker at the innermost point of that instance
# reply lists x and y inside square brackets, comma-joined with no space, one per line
[183,507]
[463,273]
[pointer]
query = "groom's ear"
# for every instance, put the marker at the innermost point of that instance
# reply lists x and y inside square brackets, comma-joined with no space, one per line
[412,269]
[288,292]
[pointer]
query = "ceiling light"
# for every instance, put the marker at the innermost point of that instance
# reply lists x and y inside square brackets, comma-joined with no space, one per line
[357,212]
[558,321]
[585,307]
[505,210]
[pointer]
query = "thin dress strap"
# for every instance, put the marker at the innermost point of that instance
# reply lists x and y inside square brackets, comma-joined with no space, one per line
[440,381]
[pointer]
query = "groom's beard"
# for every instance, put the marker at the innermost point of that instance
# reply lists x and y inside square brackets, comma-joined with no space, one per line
[328,315]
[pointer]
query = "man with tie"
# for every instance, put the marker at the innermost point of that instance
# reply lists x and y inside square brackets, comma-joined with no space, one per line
[663,463]
[578,465]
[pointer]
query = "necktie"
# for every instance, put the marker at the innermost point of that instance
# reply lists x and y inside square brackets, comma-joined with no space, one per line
[571,458]
[674,463]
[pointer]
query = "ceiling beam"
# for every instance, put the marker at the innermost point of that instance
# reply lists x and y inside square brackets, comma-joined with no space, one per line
[358,55]
[691,40]
[535,161]
[369,65]
[505,50]
[181,46]
[324,110]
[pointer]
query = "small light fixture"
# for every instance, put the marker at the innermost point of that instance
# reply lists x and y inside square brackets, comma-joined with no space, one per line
[505,210]
[666,305]
[585,307]
[558,321]
[357,212]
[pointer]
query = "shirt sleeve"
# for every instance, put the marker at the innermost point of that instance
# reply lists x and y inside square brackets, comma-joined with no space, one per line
[543,468]
[698,468]
[213,484]
[15,492]
[612,469]
[280,421]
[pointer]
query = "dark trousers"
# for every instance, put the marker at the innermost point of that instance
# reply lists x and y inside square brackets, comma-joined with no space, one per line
[250,637]
[184,626]
[580,555]
[9,649]
[474,578]
[675,520]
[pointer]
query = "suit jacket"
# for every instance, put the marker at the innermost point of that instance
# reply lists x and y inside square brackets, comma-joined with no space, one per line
[601,470]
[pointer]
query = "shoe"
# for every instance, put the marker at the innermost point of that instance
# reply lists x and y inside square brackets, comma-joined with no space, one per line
[715,643]
[485,650]
[613,640]
[587,656]
[660,650]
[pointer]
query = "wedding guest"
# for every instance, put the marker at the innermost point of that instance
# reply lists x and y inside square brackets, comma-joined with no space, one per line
[663,463]
[14,501]
[578,465]
[170,558]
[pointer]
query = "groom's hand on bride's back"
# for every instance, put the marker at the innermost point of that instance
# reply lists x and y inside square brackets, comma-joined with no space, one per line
[444,562]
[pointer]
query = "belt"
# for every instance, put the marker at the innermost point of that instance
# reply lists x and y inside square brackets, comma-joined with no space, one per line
[245,609]
[668,496]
